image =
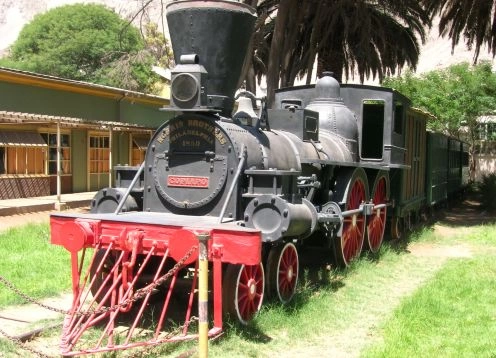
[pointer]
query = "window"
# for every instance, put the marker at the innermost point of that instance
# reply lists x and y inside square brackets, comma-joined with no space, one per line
[65,152]
[372,129]
[99,154]
[139,145]
[22,153]
[487,131]
[398,117]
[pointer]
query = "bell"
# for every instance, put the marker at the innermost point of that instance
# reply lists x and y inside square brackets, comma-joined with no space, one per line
[245,113]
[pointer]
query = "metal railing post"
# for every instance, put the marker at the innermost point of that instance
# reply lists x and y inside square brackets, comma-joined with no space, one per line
[203,295]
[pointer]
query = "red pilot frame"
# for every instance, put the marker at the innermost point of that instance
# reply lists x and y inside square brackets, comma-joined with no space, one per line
[133,263]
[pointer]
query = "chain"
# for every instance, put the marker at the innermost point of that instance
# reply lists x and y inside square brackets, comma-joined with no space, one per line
[142,292]
[28,298]
[137,296]
[20,344]
[148,350]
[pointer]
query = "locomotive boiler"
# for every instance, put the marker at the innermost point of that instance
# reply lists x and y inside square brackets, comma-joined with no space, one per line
[260,183]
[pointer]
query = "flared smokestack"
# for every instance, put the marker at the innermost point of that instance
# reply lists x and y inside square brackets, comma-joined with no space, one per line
[218,32]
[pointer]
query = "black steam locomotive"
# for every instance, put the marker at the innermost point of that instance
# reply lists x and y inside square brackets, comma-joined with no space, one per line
[324,166]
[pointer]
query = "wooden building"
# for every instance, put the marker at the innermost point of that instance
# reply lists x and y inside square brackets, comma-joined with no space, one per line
[62,136]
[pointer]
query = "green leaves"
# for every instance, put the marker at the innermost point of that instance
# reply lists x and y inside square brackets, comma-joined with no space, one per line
[86,42]
[456,96]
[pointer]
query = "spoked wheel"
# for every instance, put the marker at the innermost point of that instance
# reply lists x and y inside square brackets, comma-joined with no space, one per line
[396,228]
[282,272]
[243,291]
[408,222]
[377,221]
[349,245]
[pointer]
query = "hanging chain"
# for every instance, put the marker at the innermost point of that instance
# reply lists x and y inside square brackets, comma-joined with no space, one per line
[139,294]
[27,298]
[22,345]
[175,332]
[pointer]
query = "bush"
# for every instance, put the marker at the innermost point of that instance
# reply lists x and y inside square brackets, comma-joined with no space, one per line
[488,190]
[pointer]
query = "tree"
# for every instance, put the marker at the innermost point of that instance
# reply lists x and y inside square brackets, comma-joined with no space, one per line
[86,42]
[457,96]
[373,38]
[474,20]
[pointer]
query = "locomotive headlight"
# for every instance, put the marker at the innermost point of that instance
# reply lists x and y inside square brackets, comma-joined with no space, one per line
[185,90]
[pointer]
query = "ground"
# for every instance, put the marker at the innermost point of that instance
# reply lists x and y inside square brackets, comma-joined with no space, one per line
[451,221]
[7,222]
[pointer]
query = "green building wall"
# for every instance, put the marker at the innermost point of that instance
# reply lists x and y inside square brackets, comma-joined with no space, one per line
[32,99]
[79,160]
[19,92]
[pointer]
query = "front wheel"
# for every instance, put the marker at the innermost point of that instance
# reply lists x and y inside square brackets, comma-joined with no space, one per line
[282,272]
[243,291]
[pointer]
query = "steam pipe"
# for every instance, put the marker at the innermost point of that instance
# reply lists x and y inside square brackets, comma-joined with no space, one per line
[233,184]
[130,187]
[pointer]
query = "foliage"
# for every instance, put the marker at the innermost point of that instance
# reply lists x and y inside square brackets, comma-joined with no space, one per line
[84,42]
[487,188]
[456,96]
[474,20]
[158,45]
[366,37]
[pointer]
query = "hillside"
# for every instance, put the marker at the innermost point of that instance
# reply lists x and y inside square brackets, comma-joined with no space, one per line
[436,53]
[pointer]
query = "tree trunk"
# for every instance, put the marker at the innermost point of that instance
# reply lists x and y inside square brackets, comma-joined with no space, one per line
[275,55]
[331,59]
[247,72]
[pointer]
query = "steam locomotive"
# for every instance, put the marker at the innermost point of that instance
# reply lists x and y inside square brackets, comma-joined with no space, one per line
[328,165]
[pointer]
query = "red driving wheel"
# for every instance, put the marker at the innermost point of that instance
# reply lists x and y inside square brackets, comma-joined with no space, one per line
[243,291]
[377,221]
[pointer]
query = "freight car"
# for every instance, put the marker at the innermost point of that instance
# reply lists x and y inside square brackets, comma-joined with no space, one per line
[326,164]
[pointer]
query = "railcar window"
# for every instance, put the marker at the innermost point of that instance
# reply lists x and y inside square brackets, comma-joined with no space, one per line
[398,117]
[372,129]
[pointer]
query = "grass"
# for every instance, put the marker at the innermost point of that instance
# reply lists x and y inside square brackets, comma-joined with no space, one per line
[32,264]
[395,304]
[454,314]
[332,313]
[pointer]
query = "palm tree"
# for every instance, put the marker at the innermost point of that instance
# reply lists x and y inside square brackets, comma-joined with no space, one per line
[371,37]
[475,20]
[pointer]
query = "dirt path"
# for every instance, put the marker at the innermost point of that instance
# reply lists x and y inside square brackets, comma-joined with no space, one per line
[7,222]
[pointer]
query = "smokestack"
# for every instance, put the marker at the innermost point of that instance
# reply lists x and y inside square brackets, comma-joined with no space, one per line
[218,32]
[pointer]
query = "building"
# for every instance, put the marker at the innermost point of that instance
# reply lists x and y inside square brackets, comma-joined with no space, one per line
[61,136]
[485,147]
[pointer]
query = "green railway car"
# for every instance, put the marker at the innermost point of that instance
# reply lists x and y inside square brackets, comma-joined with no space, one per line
[408,184]
[436,168]
[454,166]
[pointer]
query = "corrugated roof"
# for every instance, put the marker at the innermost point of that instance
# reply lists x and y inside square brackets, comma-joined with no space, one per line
[21,139]
[20,117]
